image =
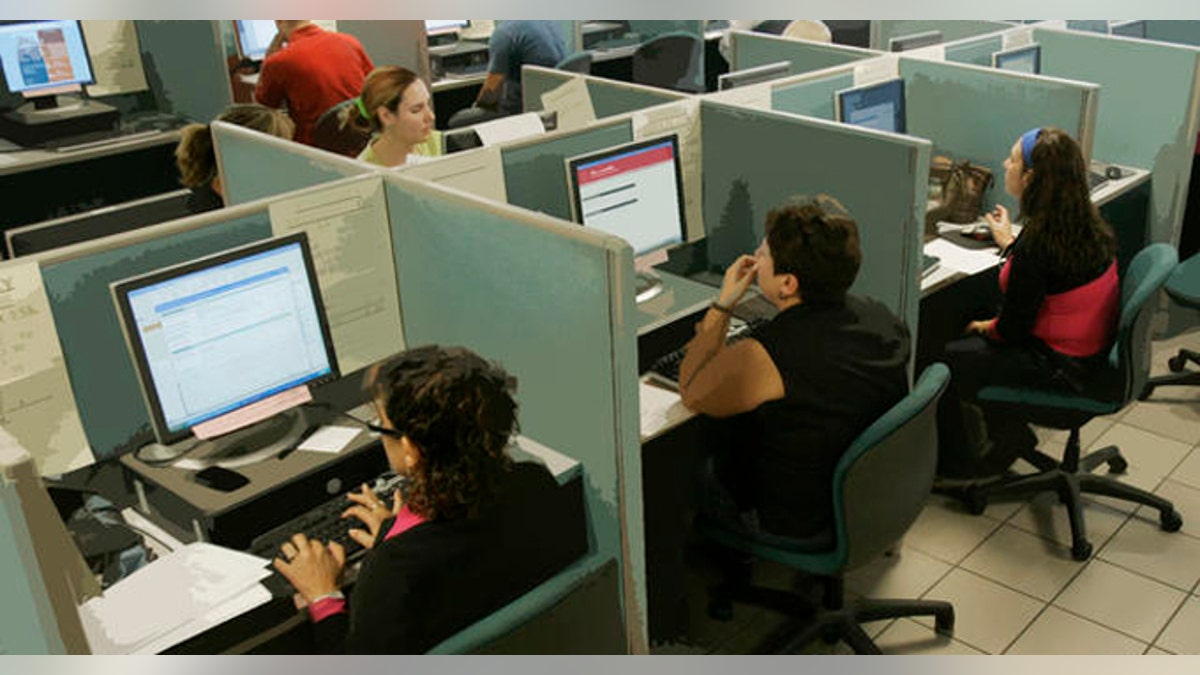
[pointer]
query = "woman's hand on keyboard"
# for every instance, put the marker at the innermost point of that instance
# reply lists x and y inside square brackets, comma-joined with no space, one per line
[371,510]
[312,567]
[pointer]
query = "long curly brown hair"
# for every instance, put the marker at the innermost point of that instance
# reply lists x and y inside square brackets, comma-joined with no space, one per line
[1057,209]
[458,409]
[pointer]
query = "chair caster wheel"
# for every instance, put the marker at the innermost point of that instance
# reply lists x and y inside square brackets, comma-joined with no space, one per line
[1081,550]
[944,622]
[1176,363]
[1117,465]
[1170,521]
[974,502]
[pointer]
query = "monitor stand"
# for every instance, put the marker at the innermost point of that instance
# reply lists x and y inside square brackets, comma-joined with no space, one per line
[270,437]
[647,285]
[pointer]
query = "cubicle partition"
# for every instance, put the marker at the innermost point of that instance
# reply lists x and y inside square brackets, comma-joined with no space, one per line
[255,165]
[554,305]
[185,67]
[1148,111]
[392,42]
[609,97]
[956,29]
[1176,31]
[755,160]
[756,49]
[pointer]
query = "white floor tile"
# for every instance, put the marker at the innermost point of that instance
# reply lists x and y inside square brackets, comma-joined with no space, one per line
[1186,501]
[1060,632]
[999,511]
[1188,471]
[948,534]
[988,616]
[1024,561]
[908,573]
[1182,635]
[1143,547]
[1151,457]
[1155,651]
[909,637]
[1087,434]
[1048,519]
[1120,599]
[1178,421]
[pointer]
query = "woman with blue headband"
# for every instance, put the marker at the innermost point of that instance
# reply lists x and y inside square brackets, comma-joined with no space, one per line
[1059,308]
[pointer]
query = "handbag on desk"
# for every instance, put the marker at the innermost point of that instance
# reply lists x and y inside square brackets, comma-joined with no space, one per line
[957,188]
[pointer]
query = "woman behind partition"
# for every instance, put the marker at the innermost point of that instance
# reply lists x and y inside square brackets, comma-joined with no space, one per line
[396,107]
[1061,301]
[198,162]
[469,535]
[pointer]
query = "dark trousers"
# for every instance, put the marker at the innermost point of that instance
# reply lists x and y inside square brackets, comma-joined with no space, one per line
[1189,238]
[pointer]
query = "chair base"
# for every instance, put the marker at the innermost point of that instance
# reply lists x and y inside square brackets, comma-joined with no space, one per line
[834,620]
[1178,377]
[1069,479]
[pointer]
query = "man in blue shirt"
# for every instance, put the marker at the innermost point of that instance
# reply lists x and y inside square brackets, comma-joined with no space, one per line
[513,44]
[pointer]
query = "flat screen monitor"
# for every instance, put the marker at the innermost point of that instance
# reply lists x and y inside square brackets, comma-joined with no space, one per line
[748,76]
[1027,59]
[214,335]
[254,37]
[1090,25]
[633,191]
[439,26]
[875,106]
[904,43]
[44,57]
[1133,29]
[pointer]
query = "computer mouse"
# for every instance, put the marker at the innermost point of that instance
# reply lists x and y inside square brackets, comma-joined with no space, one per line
[221,479]
[1113,172]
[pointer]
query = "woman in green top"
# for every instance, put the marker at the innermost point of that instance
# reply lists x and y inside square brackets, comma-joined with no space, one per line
[395,104]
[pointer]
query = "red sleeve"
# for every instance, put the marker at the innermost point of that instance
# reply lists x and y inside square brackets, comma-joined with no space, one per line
[271,90]
[325,608]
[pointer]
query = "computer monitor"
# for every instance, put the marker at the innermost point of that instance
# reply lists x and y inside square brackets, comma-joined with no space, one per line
[904,43]
[634,191]
[254,37]
[439,26]
[1027,59]
[44,58]
[1090,25]
[875,106]
[1133,29]
[212,337]
[748,76]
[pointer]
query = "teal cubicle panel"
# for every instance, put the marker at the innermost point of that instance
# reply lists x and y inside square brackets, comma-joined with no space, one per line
[812,97]
[647,29]
[609,97]
[977,114]
[255,165]
[535,173]
[185,67]
[755,160]
[757,49]
[1148,109]
[952,29]
[77,279]
[552,304]
[1177,31]
[975,51]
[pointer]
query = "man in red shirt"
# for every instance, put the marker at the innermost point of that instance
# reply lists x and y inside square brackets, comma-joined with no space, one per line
[310,70]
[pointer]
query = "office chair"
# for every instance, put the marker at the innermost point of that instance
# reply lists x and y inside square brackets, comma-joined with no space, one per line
[880,486]
[1183,286]
[579,62]
[329,133]
[808,29]
[471,116]
[1128,368]
[672,61]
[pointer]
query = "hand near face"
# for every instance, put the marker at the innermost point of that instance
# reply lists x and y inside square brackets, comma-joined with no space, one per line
[738,278]
[1000,226]
[312,567]
[372,512]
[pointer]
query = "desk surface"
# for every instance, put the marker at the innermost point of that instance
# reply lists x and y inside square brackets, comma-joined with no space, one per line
[33,159]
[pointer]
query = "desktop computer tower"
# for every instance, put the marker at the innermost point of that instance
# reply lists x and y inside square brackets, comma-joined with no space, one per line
[31,126]
[458,58]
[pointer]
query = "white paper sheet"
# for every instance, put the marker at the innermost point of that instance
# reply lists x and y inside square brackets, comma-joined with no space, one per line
[116,57]
[757,96]
[874,70]
[961,259]
[329,439]
[37,405]
[479,172]
[573,103]
[682,118]
[510,128]
[350,237]
[660,410]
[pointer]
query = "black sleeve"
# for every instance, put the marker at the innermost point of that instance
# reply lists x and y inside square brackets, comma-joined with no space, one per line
[330,633]
[1024,296]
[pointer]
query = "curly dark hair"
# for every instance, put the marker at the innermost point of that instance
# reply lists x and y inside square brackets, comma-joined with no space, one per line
[1057,209]
[817,241]
[458,409]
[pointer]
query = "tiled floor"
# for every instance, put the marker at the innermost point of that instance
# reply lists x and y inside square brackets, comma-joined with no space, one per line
[1009,572]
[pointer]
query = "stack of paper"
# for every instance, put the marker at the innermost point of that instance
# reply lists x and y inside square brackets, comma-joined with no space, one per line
[174,598]
[660,410]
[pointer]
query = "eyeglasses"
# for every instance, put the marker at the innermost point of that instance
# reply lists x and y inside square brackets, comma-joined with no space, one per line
[383,431]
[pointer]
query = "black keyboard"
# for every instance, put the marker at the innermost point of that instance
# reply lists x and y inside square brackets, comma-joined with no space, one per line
[666,368]
[323,522]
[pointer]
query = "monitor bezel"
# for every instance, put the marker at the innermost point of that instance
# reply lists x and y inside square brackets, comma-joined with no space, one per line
[900,43]
[58,87]
[240,40]
[839,111]
[446,30]
[1015,51]
[783,68]
[573,185]
[120,291]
